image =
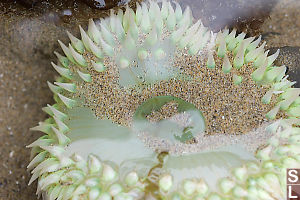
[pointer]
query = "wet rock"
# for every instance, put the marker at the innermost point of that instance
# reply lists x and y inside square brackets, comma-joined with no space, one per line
[100,4]
[28,3]
[282,27]
[245,15]
[105,4]
[290,57]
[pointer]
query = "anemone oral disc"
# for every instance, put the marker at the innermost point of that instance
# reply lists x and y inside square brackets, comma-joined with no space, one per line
[92,150]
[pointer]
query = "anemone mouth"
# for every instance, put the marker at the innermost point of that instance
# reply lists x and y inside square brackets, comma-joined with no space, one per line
[158,55]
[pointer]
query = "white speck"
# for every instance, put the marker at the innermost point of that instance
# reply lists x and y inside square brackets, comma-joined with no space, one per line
[286,15]
[67,12]
[10,172]
[223,117]
[1,75]
[25,106]
[17,182]
[270,26]
[11,154]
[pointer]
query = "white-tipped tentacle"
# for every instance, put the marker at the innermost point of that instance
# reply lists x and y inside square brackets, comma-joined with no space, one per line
[107,49]
[253,54]
[211,61]
[186,19]
[66,50]
[259,73]
[98,66]
[254,44]
[138,13]
[76,43]
[145,22]
[62,138]
[273,57]
[274,72]
[62,59]
[178,11]
[171,19]
[260,60]
[62,71]
[222,46]
[84,76]
[94,32]
[226,67]
[229,38]
[185,40]
[237,79]
[95,49]
[70,103]
[55,89]
[70,87]
[61,125]
[107,35]
[60,115]
[85,38]
[78,57]
[238,61]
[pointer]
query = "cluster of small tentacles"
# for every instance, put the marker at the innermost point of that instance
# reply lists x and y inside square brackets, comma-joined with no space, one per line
[115,39]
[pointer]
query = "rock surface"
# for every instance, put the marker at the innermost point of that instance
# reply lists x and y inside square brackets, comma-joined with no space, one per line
[105,4]
[247,16]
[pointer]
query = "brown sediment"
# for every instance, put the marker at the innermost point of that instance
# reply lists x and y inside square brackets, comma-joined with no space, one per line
[227,108]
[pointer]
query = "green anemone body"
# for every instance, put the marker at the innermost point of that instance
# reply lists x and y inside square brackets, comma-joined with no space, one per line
[81,157]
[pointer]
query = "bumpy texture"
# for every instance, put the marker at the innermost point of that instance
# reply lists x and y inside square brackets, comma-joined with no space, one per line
[134,42]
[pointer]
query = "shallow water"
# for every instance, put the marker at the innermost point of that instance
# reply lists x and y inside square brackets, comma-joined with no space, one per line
[28,37]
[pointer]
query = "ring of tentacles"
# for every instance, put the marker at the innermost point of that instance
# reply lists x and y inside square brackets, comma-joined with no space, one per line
[125,69]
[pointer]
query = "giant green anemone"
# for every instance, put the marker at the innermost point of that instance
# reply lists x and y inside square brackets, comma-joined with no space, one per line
[152,105]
